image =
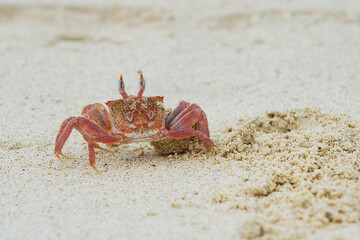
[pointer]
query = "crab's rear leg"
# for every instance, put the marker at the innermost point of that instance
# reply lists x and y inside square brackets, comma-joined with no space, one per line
[103,138]
[190,121]
[91,132]
[97,113]
[64,132]
[180,108]
[203,126]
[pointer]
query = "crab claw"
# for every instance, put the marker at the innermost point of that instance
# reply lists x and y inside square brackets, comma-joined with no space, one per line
[142,84]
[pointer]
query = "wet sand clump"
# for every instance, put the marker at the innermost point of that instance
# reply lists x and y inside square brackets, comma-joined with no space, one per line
[301,170]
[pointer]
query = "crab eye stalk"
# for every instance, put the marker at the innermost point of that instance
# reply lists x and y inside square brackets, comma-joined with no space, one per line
[142,84]
[121,87]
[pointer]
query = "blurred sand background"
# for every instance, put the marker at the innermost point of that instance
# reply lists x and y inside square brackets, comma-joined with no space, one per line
[279,81]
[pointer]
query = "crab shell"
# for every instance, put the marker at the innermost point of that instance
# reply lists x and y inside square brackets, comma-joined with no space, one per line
[138,118]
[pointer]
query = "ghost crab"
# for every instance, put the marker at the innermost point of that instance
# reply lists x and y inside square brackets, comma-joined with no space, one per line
[134,119]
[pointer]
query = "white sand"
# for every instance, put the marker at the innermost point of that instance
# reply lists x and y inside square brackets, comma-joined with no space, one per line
[237,60]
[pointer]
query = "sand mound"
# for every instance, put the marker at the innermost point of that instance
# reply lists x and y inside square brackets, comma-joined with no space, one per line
[303,172]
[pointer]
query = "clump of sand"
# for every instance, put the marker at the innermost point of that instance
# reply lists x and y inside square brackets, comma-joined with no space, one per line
[170,146]
[303,172]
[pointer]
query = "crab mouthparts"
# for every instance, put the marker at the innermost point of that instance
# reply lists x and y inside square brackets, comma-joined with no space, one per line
[142,134]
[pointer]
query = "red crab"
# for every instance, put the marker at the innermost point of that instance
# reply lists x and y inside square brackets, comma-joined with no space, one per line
[134,119]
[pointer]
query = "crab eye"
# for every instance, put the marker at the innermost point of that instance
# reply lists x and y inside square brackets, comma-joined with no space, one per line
[121,84]
[121,87]
[151,115]
[142,84]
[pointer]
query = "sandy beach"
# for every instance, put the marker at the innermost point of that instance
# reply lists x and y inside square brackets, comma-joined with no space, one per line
[279,82]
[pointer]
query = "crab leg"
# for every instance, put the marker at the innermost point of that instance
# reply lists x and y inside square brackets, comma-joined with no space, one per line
[182,105]
[63,125]
[97,113]
[99,137]
[203,126]
[91,148]
[187,118]
[191,121]
[188,109]
[64,132]
[95,144]
[90,131]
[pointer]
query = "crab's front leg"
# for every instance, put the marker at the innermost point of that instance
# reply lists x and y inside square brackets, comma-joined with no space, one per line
[188,120]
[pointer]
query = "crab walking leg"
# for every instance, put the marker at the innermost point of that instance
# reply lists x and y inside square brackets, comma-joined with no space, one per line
[63,125]
[103,138]
[95,144]
[64,132]
[178,118]
[92,145]
[61,131]
[91,132]
[82,123]
[91,148]
[182,105]
[203,126]
[187,118]
[183,127]
[100,137]
[97,113]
